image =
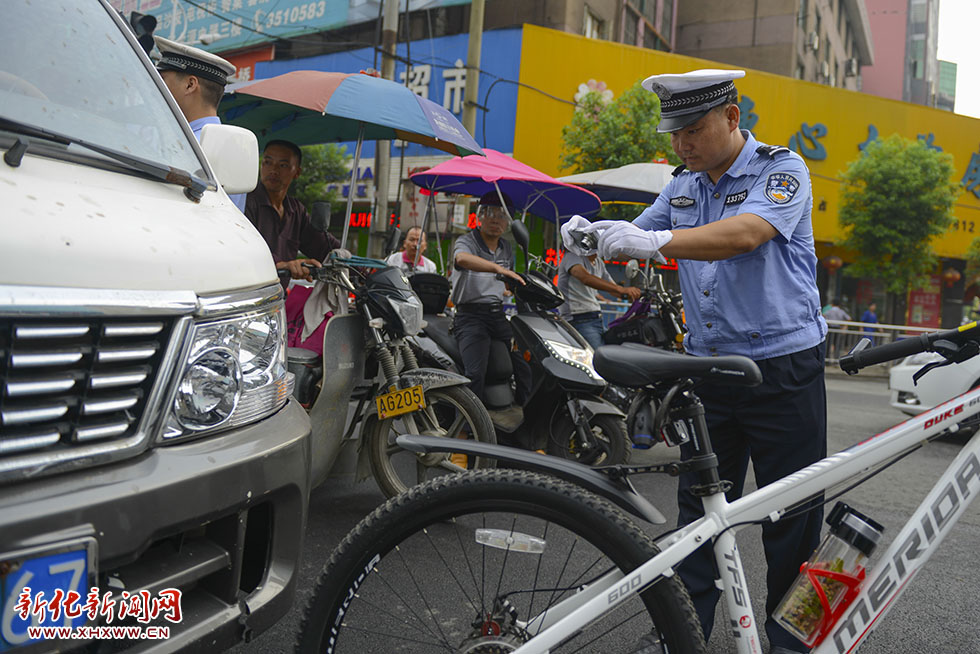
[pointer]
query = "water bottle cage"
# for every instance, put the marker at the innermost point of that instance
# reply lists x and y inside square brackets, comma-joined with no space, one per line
[853,584]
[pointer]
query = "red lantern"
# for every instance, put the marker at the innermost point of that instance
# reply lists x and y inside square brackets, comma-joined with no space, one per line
[832,262]
[951,276]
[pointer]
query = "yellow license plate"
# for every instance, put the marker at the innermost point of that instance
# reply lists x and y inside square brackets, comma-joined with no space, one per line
[401,401]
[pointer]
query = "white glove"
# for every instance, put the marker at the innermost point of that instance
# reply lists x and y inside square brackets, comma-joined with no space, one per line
[576,223]
[618,238]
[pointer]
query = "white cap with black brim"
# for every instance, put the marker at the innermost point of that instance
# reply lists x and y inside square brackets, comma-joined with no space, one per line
[686,98]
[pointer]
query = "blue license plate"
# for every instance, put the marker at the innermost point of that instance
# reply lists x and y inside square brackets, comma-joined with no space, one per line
[68,566]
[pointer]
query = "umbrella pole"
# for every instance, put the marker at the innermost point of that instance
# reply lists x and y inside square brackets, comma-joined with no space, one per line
[353,182]
[425,219]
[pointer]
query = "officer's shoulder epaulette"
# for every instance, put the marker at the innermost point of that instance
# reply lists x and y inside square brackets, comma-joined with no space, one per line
[679,170]
[771,150]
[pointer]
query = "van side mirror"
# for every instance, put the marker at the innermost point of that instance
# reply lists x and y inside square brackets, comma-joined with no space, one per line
[233,153]
[320,220]
[521,236]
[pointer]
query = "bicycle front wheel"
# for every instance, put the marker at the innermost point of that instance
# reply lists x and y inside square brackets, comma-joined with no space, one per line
[468,563]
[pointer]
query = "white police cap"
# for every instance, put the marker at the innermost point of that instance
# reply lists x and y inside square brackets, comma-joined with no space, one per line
[686,97]
[193,61]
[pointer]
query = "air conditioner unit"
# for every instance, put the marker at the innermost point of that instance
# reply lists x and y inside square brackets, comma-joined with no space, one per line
[813,41]
[851,67]
[824,69]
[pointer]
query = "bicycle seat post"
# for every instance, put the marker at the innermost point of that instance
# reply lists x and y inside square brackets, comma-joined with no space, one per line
[704,463]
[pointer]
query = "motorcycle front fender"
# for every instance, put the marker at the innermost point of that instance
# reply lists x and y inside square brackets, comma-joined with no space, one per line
[598,407]
[428,379]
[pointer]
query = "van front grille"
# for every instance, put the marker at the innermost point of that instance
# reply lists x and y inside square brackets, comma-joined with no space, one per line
[71,382]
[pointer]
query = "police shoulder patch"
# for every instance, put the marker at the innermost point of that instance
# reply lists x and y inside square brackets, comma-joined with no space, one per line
[682,202]
[771,150]
[781,187]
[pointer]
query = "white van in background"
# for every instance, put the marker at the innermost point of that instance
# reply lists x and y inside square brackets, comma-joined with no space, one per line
[152,464]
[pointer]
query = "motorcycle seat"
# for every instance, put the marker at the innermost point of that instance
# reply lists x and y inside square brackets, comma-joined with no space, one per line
[438,330]
[634,365]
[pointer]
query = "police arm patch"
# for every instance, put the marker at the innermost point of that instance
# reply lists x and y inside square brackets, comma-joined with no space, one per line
[781,187]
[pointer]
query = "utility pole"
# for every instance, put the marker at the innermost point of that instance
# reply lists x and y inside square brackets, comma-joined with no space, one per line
[382,156]
[472,91]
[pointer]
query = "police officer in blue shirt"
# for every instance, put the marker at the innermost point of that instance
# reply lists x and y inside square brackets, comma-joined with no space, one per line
[737,218]
[196,78]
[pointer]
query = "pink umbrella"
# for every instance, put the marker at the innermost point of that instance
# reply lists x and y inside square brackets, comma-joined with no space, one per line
[531,190]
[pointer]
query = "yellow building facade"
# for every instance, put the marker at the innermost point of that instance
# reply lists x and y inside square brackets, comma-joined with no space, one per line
[825,125]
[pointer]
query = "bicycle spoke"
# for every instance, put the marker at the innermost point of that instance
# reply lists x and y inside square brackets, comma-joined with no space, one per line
[438,551]
[428,606]
[456,530]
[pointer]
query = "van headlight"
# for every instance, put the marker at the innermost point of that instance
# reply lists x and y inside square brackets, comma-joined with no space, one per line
[234,373]
[578,357]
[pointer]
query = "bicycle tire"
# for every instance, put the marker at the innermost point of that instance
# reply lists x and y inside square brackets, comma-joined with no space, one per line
[367,598]
[613,445]
[392,465]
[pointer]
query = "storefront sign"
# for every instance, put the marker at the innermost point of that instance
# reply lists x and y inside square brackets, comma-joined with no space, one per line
[925,304]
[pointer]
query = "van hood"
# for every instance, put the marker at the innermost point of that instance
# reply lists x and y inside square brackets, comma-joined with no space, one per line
[73,225]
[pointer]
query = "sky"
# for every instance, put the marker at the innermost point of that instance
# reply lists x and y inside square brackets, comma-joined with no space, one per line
[958,21]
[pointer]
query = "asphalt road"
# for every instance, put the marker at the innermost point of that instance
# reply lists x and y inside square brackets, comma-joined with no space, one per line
[936,614]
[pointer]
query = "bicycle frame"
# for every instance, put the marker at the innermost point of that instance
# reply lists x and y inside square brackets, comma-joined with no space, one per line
[907,553]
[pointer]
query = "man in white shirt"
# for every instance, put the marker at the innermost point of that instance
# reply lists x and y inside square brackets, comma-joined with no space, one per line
[405,259]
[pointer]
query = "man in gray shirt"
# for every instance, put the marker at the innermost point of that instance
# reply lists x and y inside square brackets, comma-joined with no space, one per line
[578,279]
[478,257]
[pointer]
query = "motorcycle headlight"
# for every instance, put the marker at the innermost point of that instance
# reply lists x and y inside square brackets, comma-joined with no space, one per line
[574,356]
[409,312]
[234,373]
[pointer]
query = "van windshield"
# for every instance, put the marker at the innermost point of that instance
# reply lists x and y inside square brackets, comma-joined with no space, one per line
[66,67]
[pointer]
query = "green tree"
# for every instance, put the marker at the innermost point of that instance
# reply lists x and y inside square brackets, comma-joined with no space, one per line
[610,135]
[322,165]
[621,132]
[895,198]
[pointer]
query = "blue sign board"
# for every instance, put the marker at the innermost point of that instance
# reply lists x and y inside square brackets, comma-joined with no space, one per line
[235,24]
[438,73]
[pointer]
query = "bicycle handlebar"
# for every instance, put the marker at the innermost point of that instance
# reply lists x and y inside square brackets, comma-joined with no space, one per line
[862,358]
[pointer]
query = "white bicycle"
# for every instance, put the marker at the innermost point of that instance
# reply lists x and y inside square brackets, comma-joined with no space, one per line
[500,561]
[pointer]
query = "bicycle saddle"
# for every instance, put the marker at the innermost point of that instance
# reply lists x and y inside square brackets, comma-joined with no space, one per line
[633,365]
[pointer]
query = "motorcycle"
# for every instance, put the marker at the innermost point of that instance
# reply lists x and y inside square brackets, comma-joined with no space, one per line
[366,360]
[655,319]
[564,414]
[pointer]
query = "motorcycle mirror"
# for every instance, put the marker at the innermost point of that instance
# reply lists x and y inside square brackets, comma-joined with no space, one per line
[320,220]
[393,238]
[521,236]
[632,268]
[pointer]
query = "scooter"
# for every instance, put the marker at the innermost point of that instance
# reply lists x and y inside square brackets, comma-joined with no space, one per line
[564,414]
[367,360]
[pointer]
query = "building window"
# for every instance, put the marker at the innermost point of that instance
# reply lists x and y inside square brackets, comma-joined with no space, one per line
[804,9]
[629,28]
[592,27]
[667,19]
[917,58]
[647,8]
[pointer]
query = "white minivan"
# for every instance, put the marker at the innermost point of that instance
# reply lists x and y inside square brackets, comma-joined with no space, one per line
[154,472]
